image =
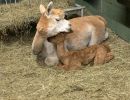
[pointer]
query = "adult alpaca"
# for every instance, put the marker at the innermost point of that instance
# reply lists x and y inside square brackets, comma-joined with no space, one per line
[51,23]
[86,31]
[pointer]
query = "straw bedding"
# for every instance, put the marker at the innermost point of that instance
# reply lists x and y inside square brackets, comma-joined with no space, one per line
[21,78]
[17,18]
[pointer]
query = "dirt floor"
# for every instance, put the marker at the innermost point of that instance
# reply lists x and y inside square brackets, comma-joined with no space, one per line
[21,78]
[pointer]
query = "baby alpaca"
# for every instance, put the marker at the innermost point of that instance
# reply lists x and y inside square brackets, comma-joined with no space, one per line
[99,54]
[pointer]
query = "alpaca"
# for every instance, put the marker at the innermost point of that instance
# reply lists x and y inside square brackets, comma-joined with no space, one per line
[87,31]
[98,54]
[51,23]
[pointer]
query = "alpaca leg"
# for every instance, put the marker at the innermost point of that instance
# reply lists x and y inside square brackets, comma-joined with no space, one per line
[98,36]
[71,67]
[74,64]
[65,64]
[109,57]
[51,58]
[37,43]
[43,54]
[68,64]
[100,56]
[71,64]
[93,39]
[65,67]
[40,58]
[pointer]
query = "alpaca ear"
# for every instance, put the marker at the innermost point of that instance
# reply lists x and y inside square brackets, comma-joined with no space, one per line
[49,7]
[42,9]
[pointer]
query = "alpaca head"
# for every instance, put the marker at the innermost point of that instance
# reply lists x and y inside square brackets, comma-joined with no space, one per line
[55,22]
[50,24]
[59,38]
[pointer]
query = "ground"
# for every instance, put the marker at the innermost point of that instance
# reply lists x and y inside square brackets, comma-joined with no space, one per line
[21,78]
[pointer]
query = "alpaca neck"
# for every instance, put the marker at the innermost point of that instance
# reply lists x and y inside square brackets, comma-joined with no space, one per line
[60,49]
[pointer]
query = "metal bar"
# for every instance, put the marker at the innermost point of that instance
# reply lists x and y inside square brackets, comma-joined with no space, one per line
[74,8]
[101,8]
[6,2]
[82,12]
[15,1]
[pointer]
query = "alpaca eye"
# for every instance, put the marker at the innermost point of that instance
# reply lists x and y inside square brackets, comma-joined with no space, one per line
[57,19]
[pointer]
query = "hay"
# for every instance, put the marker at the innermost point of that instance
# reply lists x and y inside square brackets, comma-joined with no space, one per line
[15,19]
[22,79]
